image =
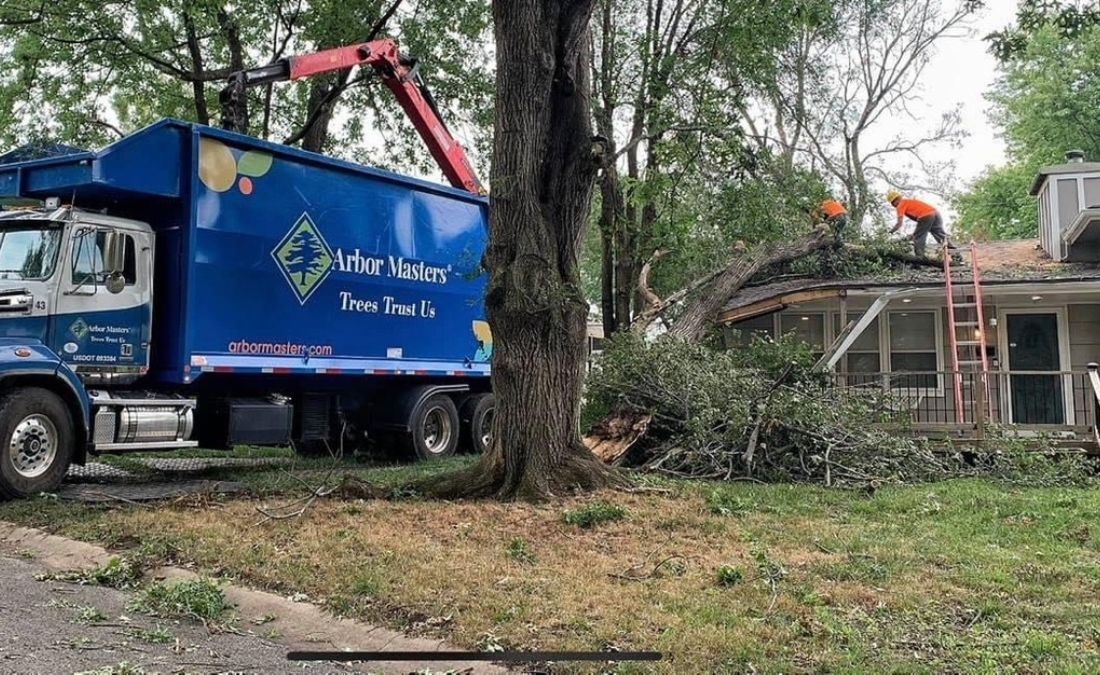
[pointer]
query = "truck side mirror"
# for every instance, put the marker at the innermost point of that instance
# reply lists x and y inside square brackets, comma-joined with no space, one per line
[114,261]
[114,255]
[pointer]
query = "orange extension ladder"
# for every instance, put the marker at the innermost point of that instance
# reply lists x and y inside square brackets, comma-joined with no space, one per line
[966,316]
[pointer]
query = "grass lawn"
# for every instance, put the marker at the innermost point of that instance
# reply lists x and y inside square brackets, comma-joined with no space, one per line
[964,575]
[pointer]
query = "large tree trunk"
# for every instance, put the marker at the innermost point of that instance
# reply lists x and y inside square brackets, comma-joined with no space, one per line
[700,313]
[544,169]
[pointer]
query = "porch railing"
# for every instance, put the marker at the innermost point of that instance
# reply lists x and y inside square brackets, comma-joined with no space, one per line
[1048,399]
[1094,382]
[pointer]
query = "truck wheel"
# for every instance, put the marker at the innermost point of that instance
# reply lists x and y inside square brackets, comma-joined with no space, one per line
[477,422]
[434,429]
[36,442]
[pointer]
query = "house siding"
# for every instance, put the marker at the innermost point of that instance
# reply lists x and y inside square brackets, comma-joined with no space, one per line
[1084,335]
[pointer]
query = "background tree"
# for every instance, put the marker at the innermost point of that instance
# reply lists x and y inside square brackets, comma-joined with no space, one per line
[85,72]
[1045,99]
[668,73]
[545,162]
[854,67]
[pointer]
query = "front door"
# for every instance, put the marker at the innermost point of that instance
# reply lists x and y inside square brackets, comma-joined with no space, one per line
[1037,396]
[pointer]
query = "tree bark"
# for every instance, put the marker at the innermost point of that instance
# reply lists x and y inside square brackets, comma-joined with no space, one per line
[544,169]
[323,96]
[692,324]
[232,33]
[607,278]
[198,86]
[611,204]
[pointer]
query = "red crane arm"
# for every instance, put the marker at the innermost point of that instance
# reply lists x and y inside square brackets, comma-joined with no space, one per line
[399,74]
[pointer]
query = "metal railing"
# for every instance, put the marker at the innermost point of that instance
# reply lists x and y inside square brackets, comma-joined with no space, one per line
[1045,399]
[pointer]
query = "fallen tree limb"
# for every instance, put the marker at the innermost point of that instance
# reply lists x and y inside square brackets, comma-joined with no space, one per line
[613,437]
[719,286]
[761,417]
[655,306]
[896,256]
[691,325]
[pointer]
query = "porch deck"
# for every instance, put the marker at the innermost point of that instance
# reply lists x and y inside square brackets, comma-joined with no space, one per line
[1059,404]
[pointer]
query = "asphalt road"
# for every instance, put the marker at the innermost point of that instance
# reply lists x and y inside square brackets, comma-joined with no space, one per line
[41,631]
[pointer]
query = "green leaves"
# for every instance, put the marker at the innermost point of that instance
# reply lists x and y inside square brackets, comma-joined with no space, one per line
[85,71]
[998,205]
[1046,100]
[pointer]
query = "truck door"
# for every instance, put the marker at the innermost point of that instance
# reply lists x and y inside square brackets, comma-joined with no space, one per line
[102,317]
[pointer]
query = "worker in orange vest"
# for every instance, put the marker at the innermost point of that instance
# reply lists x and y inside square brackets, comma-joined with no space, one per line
[928,219]
[832,212]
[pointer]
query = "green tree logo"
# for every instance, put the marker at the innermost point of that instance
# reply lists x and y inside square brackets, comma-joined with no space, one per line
[304,258]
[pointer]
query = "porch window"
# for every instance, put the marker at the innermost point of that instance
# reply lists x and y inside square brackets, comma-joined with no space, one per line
[808,327]
[742,333]
[913,350]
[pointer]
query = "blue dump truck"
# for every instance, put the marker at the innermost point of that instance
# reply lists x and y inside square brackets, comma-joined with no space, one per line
[189,285]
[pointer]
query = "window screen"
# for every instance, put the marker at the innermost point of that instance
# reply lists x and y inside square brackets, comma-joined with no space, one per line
[863,355]
[807,327]
[913,350]
[1092,193]
[912,331]
[741,333]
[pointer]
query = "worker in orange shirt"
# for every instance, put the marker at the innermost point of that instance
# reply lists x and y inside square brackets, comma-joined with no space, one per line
[832,212]
[928,219]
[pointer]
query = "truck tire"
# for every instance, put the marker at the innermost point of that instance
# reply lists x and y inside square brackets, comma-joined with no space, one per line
[36,442]
[477,422]
[434,429]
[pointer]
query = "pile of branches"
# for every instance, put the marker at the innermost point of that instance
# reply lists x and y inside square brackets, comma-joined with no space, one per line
[761,413]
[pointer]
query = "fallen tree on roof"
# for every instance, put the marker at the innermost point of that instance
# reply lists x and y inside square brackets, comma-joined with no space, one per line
[704,298]
[696,306]
[762,414]
[674,406]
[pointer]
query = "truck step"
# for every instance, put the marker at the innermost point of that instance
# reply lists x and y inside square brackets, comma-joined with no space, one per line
[139,447]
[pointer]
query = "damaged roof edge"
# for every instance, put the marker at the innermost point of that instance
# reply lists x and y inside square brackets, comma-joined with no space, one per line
[1003,262]
[822,289]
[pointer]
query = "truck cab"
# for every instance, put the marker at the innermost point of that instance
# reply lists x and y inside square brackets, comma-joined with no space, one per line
[80,284]
[75,311]
[213,288]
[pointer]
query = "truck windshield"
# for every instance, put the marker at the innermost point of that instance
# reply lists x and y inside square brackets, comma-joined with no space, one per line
[28,250]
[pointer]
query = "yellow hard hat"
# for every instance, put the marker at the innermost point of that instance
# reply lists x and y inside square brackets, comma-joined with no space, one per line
[892,195]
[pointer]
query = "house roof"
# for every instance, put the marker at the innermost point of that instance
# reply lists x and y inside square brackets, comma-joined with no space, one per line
[1061,169]
[1001,262]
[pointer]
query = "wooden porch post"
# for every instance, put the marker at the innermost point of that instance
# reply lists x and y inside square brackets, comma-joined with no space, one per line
[980,407]
[843,319]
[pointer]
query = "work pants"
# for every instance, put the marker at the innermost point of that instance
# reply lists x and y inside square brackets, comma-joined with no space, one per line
[929,225]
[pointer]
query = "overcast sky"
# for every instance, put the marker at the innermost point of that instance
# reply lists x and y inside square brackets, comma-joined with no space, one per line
[961,72]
